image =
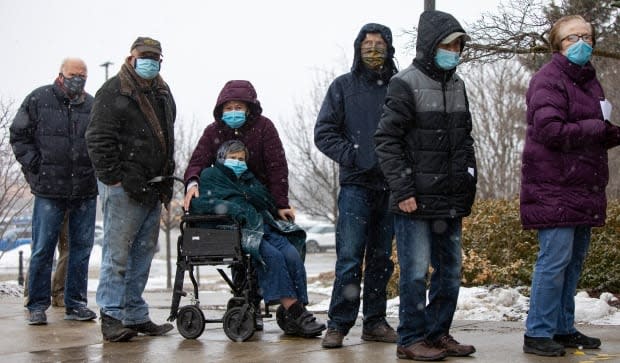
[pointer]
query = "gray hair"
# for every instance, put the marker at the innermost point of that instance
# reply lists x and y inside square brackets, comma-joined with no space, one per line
[231,146]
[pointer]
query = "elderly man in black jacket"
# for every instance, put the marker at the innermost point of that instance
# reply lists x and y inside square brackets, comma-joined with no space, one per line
[344,132]
[426,151]
[131,141]
[47,136]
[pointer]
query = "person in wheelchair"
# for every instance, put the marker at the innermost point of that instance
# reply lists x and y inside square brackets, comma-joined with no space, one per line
[276,245]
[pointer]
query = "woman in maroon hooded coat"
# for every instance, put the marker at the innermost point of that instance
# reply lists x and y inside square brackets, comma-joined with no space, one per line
[238,115]
[564,174]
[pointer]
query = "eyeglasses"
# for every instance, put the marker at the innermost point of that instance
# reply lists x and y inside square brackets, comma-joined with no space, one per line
[574,38]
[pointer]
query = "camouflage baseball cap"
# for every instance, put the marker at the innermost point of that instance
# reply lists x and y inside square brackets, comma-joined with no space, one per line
[146,44]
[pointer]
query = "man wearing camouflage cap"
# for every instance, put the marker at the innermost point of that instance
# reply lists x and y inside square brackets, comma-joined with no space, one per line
[130,141]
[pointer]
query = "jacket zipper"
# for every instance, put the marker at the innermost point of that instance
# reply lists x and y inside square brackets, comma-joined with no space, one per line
[445,112]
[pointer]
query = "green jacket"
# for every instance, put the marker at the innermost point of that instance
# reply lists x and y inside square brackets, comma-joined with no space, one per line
[248,202]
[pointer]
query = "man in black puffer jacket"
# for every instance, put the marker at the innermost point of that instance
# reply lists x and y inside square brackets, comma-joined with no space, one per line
[131,141]
[426,151]
[344,132]
[47,136]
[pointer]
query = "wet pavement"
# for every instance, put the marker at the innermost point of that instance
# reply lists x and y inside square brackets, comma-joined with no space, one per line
[61,341]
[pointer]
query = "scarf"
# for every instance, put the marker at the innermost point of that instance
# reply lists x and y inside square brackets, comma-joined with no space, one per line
[136,87]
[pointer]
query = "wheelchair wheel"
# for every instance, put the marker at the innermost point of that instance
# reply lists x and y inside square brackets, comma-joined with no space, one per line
[190,322]
[239,326]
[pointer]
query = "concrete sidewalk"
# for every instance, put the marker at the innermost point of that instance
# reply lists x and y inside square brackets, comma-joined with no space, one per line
[62,340]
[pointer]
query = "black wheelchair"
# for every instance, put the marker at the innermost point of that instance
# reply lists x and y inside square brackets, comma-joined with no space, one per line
[215,240]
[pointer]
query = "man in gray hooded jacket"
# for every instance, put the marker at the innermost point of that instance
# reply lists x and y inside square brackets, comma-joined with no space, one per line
[426,151]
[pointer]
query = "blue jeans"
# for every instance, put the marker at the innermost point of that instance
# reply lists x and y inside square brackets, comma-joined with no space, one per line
[284,273]
[364,232]
[556,274]
[47,218]
[130,232]
[420,243]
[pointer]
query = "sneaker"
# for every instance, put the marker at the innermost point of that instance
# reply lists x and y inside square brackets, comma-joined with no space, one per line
[37,317]
[150,328]
[81,313]
[420,350]
[332,339]
[577,340]
[382,332]
[542,346]
[454,348]
[114,331]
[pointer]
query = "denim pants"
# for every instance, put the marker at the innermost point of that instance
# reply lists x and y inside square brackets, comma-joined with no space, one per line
[364,233]
[284,273]
[556,274]
[420,243]
[130,232]
[47,218]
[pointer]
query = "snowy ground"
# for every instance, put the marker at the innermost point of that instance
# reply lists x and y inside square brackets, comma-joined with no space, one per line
[475,303]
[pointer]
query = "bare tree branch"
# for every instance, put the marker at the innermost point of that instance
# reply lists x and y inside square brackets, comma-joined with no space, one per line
[313,177]
[15,197]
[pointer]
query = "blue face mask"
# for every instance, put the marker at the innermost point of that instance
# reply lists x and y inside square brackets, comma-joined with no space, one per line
[579,53]
[237,166]
[446,59]
[147,68]
[234,119]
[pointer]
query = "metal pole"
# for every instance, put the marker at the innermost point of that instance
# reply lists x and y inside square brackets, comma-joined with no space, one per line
[429,5]
[106,65]
[20,269]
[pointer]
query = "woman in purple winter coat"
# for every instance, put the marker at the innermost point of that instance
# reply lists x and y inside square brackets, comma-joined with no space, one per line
[238,116]
[563,179]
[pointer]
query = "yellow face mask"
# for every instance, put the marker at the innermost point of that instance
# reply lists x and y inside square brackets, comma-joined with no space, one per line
[374,57]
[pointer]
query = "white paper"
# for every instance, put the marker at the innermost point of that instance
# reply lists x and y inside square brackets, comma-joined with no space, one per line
[606,108]
[471,171]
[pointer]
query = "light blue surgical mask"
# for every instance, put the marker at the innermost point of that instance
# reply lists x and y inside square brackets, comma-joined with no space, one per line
[446,59]
[579,53]
[237,166]
[234,119]
[147,68]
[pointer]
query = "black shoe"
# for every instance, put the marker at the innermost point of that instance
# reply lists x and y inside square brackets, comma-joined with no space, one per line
[577,340]
[114,331]
[259,321]
[542,346]
[81,313]
[37,317]
[305,325]
[150,328]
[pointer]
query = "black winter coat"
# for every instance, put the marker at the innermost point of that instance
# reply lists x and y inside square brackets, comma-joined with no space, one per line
[47,137]
[424,141]
[349,116]
[124,148]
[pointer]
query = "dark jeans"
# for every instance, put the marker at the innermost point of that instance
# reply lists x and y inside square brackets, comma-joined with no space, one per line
[47,218]
[284,274]
[364,232]
[421,242]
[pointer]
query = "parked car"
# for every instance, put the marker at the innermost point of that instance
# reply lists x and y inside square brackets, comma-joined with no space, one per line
[15,237]
[320,237]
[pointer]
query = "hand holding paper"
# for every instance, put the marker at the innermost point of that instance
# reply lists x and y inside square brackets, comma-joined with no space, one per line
[606,108]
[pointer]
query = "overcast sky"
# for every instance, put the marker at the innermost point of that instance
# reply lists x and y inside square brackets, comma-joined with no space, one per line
[277,45]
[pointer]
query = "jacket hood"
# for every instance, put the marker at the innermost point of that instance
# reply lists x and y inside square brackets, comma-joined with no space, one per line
[238,90]
[432,28]
[389,66]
